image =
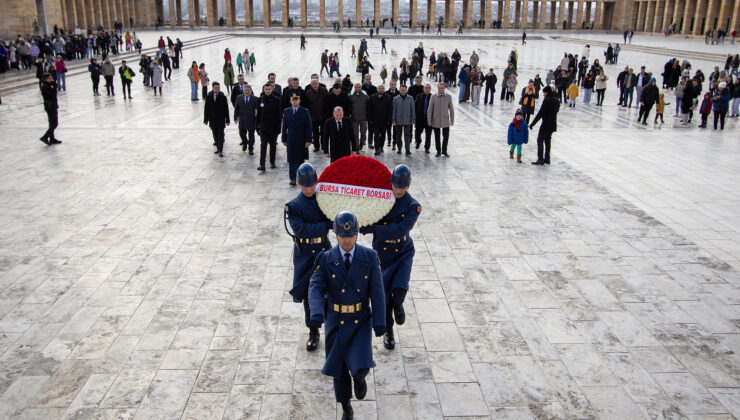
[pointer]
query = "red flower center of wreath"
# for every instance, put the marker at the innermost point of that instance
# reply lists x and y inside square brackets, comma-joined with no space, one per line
[358,170]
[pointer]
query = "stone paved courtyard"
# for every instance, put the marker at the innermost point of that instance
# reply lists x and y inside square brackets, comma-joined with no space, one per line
[142,277]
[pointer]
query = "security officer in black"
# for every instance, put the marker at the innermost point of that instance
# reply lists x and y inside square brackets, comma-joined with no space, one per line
[310,229]
[49,93]
[346,277]
[392,241]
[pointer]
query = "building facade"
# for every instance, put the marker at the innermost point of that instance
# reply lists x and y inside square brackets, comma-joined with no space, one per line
[690,16]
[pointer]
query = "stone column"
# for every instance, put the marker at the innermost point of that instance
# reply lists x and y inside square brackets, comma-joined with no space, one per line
[535,14]
[725,9]
[735,15]
[505,15]
[543,14]
[173,12]
[649,13]
[698,16]
[413,8]
[358,13]
[517,14]
[322,13]
[525,10]
[667,13]
[376,13]
[711,14]
[450,14]
[500,11]
[688,13]
[267,11]
[570,15]
[587,18]
[468,13]
[483,9]
[431,12]
[394,11]
[340,5]
[597,17]
[579,14]
[658,15]
[248,13]
[230,13]
[304,13]
[191,14]
[561,14]
[211,12]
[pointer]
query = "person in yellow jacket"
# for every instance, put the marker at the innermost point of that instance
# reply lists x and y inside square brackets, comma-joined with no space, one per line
[659,107]
[572,94]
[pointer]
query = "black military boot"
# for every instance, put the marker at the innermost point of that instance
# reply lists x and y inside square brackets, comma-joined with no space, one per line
[313,339]
[360,388]
[399,314]
[388,341]
[348,413]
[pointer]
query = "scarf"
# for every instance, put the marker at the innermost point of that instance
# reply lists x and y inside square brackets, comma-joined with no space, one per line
[517,123]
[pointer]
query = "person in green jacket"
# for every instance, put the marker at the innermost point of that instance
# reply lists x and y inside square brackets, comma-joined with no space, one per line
[228,75]
[239,62]
[251,62]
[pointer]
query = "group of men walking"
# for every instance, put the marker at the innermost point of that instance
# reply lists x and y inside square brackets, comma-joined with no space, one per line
[350,289]
[334,121]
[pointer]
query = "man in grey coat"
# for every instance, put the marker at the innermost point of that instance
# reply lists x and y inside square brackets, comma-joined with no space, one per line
[441,116]
[245,112]
[403,119]
[360,102]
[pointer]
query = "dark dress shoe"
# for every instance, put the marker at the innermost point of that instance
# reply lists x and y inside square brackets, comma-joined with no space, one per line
[399,314]
[408,153]
[347,412]
[426,151]
[398,152]
[389,342]
[371,146]
[55,141]
[417,145]
[251,153]
[272,166]
[438,154]
[538,162]
[445,154]
[43,140]
[244,148]
[547,162]
[261,168]
[360,389]
[377,153]
[220,155]
[313,339]
[292,183]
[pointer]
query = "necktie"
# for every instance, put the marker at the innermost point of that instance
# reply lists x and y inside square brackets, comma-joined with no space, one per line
[339,126]
[293,111]
[246,99]
[346,259]
[426,103]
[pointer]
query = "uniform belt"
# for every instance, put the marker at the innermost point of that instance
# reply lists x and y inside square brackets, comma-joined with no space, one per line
[348,309]
[311,240]
[395,241]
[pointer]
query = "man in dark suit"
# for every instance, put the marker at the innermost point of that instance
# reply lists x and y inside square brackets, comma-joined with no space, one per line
[297,131]
[49,93]
[245,113]
[237,89]
[549,114]
[269,120]
[421,104]
[339,137]
[216,115]
[379,116]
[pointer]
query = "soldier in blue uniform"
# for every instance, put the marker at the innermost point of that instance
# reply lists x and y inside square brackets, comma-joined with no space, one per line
[346,277]
[297,132]
[310,229]
[395,248]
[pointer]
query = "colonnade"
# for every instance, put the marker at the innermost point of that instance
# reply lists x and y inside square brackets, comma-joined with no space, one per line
[690,16]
